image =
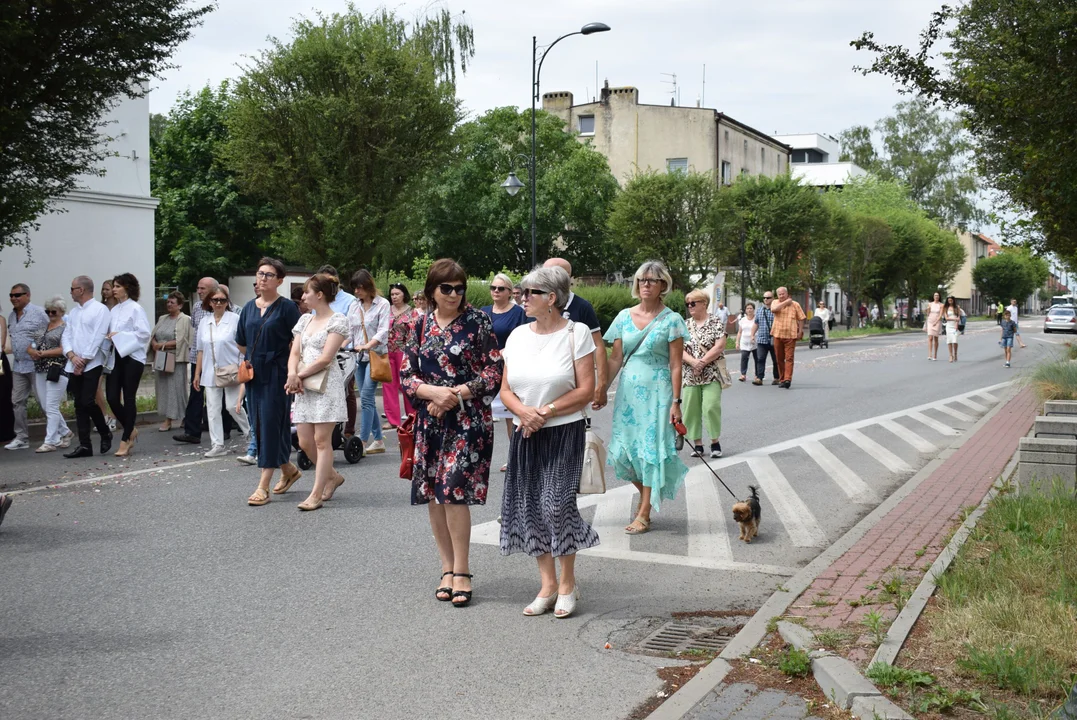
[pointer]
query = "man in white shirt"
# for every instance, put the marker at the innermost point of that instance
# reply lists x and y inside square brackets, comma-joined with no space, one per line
[1012,309]
[85,346]
[25,325]
[722,313]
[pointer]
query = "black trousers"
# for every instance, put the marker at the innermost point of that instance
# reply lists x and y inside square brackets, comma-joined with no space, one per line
[121,387]
[194,420]
[83,389]
[744,355]
[761,351]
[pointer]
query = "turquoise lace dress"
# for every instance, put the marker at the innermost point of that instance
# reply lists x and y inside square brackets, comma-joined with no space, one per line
[641,448]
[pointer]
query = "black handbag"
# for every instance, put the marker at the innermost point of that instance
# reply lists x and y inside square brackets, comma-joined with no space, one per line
[54,373]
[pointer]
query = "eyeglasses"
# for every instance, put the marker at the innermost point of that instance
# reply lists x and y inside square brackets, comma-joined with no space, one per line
[693,303]
[76,289]
[15,295]
[218,301]
[529,292]
[650,281]
[266,276]
[447,289]
[498,288]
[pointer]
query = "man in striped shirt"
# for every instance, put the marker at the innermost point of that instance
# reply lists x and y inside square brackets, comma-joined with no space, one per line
[764,318]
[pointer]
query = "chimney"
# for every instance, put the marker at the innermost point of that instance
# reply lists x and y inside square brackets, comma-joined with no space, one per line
[556,101]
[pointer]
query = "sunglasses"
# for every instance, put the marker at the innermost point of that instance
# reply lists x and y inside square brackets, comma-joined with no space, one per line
[15,295]
[447,289]
[529,292]
[693,303]
[498,288]
[768,297]
[52,312]
[218,301]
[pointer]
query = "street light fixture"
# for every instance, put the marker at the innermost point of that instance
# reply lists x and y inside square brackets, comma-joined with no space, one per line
[536,72]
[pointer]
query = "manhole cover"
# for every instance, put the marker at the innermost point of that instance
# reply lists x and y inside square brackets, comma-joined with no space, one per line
[678,636]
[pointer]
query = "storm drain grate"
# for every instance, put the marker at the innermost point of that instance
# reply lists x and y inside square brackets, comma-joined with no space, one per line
[680,637]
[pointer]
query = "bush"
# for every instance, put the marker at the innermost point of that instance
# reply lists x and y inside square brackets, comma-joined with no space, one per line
[609,300]
[883,322]
[1055,380]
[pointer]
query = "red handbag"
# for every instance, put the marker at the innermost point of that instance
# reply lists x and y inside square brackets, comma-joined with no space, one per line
[405,435]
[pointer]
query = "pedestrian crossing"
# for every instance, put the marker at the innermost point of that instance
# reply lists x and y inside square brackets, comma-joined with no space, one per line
[812,488]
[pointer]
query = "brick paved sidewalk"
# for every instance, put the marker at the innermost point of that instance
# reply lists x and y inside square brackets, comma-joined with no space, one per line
[909,538]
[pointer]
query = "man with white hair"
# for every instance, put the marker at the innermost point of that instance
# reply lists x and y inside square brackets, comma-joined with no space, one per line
[25,326]
[579,310]
[85,347]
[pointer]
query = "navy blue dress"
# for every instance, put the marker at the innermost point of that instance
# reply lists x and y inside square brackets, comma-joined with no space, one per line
[268,352]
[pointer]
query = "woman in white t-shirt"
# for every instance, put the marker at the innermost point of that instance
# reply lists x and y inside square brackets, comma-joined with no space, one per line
[747,326]
[548,379]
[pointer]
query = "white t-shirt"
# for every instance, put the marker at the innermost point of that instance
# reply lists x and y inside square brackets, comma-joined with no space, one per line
[1013,312]
[541,368]
[746,338]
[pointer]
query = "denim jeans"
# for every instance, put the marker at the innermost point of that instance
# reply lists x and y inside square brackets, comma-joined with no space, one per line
[252,447]
[370,424]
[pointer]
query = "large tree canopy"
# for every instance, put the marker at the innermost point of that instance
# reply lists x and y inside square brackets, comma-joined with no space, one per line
[467,215]
[334,127]
[1011,71]
[62,63]
[1012,273]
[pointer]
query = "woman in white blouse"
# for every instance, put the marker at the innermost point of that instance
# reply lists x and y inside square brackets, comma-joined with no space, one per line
[548,379]
[368,319]
[129,331]
[217,348]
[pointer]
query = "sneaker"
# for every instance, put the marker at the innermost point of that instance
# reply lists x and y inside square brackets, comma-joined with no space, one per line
[216,451]
[17,444]
[374,447]
[247,459]
[757,381]
[775,382]
[45,447]
[698,451]
[65,441]
[716,449]
[112,423]
[1007,364]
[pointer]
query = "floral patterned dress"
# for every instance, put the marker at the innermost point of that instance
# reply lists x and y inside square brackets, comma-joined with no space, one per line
[642,444]
[452,455]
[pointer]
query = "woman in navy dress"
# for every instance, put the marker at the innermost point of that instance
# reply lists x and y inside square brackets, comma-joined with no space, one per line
[506,315]
[264,338]
[451,370]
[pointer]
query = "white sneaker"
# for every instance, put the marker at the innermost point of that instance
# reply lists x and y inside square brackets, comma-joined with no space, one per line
[112,424]
[375,446]
[17,444]
[247,459]
[45,447]
[216,451]
[65,441]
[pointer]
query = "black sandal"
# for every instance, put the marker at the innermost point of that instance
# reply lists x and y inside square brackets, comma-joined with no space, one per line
[465,594]
[446,590]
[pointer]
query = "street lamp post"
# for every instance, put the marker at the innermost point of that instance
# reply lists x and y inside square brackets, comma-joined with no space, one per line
[536,72]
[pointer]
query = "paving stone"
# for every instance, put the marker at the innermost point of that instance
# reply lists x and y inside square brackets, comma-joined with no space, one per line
[721,703]
[798,636]
[762,705]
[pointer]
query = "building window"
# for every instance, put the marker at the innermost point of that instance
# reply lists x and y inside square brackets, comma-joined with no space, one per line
[726,138]
[677,165]
[727,173]
[762,158]
[587,124]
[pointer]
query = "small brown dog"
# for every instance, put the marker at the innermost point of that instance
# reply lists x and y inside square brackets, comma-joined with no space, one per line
[747,515]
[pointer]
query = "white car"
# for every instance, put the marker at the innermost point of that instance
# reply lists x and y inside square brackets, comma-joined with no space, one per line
[1061,318]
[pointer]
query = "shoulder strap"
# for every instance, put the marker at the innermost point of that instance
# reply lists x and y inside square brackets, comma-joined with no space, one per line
[212,348]
[646,332]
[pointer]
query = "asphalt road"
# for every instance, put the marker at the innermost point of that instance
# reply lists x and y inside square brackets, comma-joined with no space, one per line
[148,588]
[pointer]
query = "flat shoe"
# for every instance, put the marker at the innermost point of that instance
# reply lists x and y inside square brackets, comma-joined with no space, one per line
[336,482]
[308,505]
[540,605]
[286,481]
[260,497]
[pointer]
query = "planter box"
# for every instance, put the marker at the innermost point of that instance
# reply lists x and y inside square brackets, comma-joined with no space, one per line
[1060,407]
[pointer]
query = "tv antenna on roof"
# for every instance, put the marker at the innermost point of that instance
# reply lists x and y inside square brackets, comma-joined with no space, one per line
[675,92]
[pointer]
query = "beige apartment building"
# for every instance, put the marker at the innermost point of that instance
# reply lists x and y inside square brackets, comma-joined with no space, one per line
[640,138]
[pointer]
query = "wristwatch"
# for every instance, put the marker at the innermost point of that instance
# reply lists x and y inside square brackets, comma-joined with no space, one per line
[677,400]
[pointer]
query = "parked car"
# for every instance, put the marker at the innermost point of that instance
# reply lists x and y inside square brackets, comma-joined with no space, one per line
[1061,318]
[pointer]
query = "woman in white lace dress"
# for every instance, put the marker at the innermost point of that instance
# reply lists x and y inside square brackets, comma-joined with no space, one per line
[318,384]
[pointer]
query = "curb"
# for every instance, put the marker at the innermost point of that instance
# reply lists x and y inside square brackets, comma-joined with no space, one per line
[755,629]
[36,428]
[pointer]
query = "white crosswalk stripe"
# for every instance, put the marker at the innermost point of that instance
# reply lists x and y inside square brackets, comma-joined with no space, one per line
[908,436]
[971,405]
[708,535]
[939,427]
[957,414]
[892,462]
[856,489]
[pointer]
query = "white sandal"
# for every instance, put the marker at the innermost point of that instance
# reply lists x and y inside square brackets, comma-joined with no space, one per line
[540,605]
[566,604]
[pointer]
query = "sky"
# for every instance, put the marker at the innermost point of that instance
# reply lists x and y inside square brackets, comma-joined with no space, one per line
[780,66]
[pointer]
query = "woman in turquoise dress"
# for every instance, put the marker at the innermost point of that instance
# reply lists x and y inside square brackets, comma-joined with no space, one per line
[642,449]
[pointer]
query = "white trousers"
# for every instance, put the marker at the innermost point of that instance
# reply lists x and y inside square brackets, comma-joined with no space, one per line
[230,395]
[52,393]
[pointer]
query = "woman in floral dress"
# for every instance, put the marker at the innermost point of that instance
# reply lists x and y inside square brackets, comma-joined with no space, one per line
[451,371]
[400,323]
[642,450]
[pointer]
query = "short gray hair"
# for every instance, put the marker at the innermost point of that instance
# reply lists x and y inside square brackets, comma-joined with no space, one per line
[551,279]
[654,268]
[85,282]
[23,287]
[56,303]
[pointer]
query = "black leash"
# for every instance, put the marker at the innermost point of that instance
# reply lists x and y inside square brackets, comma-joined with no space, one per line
[716,475]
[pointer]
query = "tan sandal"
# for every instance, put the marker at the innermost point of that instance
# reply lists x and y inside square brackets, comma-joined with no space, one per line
[286,481]
[308,505]
[332,486]
[638,526]
[259,497]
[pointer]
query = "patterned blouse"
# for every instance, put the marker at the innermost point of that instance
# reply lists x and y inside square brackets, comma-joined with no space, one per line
[49,340]
[700,340]
[399,327]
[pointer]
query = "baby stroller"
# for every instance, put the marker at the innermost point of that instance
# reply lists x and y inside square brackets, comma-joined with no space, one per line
[817,334]
[353,446]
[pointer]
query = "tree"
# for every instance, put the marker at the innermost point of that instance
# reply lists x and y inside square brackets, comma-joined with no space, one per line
[928,152]
[205,224]
[1012,273]
[64,63]
[943,257]
[467,215]
[666,216]
[1011,72]
[336,128]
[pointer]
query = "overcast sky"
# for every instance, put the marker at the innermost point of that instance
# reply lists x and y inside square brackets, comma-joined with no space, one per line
[781,66]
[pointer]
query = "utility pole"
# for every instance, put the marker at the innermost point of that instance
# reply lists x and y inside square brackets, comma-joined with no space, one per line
[743,274]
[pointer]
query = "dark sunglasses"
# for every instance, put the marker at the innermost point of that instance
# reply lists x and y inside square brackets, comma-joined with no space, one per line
[768,297]
[15,295]
[52,312]
[498,288]
[218,301]
[447,289]
[397,286]
[693,303]
[529,292]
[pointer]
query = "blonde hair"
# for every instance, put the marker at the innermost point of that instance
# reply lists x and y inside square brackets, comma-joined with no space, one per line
[695,295]
[656,269]
[504,280]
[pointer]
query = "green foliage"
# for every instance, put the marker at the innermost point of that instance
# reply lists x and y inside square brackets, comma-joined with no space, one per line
[666,216]
[206,226]
[1024,670]
[1013,273]
[466,214]
[891,677]
[926,151]
[794,662]
[1010,71]
[1055,380]
[64,63]
[876,625]
[338,127]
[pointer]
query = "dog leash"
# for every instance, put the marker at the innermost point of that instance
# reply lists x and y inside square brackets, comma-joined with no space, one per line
[716,475]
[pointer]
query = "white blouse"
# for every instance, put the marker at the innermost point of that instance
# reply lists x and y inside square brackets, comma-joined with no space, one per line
[131,330]
[541,368]
[377,324]
[217,340]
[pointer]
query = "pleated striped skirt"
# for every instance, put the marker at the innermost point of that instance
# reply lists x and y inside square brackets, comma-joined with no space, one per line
[538,509]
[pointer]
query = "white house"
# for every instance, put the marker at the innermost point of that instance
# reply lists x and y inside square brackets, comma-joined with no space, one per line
[814,159]
[107,228]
